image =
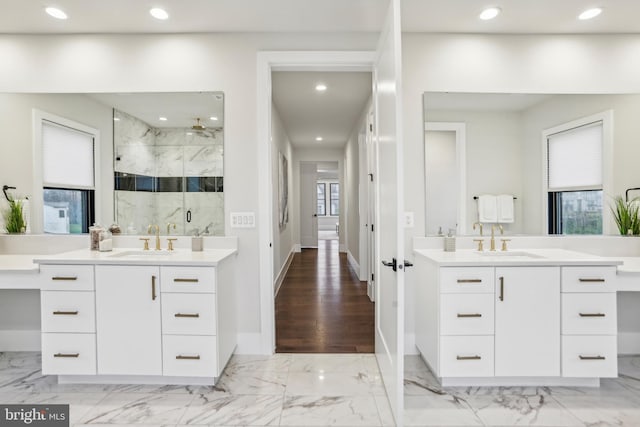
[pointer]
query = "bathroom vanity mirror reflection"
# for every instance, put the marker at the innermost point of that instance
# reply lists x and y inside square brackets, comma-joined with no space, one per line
[487,143]
[168,161]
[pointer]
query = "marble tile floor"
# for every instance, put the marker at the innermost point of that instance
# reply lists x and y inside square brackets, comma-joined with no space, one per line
[323,390]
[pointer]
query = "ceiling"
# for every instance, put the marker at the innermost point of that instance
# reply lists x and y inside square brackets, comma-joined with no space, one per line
[127,16]
[307,114]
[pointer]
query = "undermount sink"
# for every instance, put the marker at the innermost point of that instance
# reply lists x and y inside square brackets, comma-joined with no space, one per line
[509,254]
[140,254]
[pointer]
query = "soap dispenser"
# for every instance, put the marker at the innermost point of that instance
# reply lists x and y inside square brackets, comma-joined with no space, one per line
[450,242]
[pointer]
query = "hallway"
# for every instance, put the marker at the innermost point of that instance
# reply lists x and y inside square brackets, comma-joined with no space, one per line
[322,307]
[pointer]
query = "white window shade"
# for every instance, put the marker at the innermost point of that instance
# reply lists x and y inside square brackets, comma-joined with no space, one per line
[67,157]
[575,158]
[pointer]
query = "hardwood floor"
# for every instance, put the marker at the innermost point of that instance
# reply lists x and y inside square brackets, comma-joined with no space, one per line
[322,307]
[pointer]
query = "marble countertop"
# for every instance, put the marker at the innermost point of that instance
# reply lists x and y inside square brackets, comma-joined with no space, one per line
[130,256]
[516,257]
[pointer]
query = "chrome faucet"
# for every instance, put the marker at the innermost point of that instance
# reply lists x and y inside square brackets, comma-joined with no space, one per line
[493,239]
[157,227]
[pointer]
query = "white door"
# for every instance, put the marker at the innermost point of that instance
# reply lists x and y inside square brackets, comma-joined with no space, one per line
[389,323]
[308,205]
[527,319]
[129,337]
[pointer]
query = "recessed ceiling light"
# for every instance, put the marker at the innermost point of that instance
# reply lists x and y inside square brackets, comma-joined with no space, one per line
[159,13]
[590,13]
[490,13]
[56,13]
[321,87]
[214,118]
[162,119]
[318,138]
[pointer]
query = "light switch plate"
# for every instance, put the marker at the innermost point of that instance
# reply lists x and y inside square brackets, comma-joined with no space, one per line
[408,220]
[243,220]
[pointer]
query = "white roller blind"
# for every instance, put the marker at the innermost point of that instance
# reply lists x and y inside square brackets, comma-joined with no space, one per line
[575,158]
[67,157]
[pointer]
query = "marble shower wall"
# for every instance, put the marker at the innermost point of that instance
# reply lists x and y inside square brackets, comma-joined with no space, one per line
[168,175]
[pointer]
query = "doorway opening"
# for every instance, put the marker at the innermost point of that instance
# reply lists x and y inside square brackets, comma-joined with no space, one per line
[321,302]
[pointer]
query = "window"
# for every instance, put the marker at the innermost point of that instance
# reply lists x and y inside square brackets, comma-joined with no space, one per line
[68,179]
[322,202]
[575,180]
[335,198]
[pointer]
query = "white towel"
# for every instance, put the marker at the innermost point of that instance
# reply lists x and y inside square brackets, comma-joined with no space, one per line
[487,208]
[505,208]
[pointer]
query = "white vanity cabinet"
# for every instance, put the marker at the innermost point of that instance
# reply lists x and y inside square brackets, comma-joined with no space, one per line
[128,320]
[67,312]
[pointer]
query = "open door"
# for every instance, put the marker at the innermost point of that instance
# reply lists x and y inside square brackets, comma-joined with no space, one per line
[308,205]
[388,179]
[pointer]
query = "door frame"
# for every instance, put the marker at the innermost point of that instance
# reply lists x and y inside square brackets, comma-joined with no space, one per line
[267,62]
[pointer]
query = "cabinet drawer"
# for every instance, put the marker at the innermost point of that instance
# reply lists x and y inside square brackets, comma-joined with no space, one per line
[466,280]
[66,277]
[189,356]
[466,356]
[589,279]
[68,354]
[589,356]
[188,279]
[466,314]
[589,314]
[189,314]
[68,311]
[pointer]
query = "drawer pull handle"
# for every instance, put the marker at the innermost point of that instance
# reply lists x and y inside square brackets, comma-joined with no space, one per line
[65,313]
[469,315]
[64,278]
[66,355]
[501,289]
[592,314]
[591,357]
[153,288]
[195,315]
[468,357]
[591,280]
[178,280]
[181,357]
[469,280]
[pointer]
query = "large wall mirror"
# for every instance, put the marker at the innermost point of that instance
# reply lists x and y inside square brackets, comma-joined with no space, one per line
[168,161]
[504,153]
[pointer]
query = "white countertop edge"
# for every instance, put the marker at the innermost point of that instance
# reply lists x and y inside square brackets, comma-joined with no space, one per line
[548,257]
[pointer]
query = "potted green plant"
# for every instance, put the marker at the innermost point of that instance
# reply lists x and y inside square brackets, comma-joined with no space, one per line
[625,213]
[14,218]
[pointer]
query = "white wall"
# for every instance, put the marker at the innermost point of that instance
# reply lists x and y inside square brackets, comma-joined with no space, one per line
[283,243]
[174,63]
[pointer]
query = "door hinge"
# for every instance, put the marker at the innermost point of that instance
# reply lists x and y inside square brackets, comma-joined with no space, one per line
[371,177]
[370,127]
[372,228]
[372,277]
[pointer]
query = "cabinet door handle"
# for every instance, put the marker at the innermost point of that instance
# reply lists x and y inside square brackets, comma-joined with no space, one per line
[195,315]
[591,280]
[65,313]
[178,280]
[501,289]
[469,315]
[64,278]
[469,280]
[67,355]
[153,288]
[181,357]
[476,357]
[592,314]
[591,357]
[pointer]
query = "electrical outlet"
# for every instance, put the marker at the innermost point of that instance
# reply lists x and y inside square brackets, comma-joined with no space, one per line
[243,220]
[408,220]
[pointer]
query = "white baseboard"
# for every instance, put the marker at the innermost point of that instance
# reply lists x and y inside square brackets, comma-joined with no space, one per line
[628,342]
[410,344]
[283,271]
[27,340]
[249,343]
[353,263]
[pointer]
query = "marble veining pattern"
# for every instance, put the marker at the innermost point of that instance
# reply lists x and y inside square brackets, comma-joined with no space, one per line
[323,390]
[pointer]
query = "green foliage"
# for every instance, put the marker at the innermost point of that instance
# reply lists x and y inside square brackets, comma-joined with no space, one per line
[625,214]
[13,218]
